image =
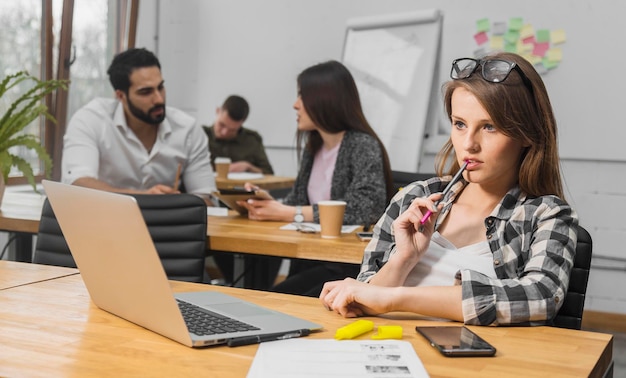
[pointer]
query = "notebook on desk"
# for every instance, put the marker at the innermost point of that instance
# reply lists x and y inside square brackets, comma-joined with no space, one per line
[119,264]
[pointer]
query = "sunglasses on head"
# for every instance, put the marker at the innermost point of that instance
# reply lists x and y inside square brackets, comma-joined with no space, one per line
[492,70]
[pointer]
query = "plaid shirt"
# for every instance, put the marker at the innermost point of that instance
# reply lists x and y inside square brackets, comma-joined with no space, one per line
[533,241]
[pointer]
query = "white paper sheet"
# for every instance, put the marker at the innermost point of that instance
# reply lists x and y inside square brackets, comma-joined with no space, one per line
[302,358]
[345,229]
[217,211]
[244,176]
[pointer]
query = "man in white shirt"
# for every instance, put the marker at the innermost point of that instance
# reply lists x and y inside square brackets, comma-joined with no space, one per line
[134,143]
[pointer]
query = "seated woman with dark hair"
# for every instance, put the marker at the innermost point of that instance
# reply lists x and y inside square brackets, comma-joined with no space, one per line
[342,159]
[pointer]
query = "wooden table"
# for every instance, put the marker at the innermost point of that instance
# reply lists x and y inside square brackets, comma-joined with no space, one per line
[51,328]
[238,234]
[13,274]
[268,182]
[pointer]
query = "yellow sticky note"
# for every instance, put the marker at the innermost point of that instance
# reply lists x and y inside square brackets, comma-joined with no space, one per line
[527,31]
[532,58]
[497,42]
[524,48]
[554,54]
[557,36]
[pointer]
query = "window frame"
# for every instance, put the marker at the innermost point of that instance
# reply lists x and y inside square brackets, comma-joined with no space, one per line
[57,102]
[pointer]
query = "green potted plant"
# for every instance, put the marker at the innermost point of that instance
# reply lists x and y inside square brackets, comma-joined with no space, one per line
[20,113]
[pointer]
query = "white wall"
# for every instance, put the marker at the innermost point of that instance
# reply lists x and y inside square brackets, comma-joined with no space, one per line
[212,48]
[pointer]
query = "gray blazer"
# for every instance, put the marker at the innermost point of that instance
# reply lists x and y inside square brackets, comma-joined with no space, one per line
[358,179]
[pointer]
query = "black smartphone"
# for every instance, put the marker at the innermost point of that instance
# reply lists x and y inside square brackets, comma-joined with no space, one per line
[259,193]
[454,341]
[230,197]
[365,236]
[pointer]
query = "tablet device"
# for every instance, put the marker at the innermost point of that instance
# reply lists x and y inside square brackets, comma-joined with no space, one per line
[454,341]
[229,197]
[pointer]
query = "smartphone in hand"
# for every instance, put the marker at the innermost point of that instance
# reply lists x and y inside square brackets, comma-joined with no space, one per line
[230,197]
[455,341]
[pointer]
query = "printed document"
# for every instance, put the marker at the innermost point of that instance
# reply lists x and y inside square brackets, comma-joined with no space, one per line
[329,358]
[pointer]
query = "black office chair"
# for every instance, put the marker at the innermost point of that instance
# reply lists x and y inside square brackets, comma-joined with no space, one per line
[176,223]
[402,179]
[571,313]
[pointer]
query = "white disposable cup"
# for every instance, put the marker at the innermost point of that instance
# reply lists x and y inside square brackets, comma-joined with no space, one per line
[222,166]
[331,218]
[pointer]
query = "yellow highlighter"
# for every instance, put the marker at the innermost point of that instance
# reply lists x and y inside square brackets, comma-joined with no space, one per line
[388,332]
[354,329]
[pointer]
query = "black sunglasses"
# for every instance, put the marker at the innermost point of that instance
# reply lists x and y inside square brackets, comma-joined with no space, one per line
[493,70]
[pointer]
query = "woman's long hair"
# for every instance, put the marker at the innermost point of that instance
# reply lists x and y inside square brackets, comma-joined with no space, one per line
[331,99]
[522,111]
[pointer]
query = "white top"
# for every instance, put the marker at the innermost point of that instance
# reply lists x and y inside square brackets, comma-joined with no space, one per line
[99,144]
[443,260]
[321,179]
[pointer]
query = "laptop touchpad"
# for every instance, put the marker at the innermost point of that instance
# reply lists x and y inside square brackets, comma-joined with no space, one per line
[239,309]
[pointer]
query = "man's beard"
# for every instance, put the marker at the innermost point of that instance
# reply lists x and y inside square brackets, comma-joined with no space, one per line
[145,116]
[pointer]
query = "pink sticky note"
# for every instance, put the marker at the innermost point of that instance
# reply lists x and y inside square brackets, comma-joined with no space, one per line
[541,48]
[529,40]
[481,38]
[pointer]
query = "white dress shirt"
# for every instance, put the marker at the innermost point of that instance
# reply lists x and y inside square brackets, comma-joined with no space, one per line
[99,144]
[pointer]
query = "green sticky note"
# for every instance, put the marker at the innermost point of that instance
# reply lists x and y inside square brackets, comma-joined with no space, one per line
[510,47]
[543,35]
[483,25]
[549,64]
[511,37]
[516,23]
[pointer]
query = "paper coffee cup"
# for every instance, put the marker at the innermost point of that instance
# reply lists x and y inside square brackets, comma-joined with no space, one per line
[331,218]
[222,166]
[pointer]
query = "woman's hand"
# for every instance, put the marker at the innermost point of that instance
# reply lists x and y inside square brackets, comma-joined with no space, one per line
[266,210]
[351,298]
[411,243]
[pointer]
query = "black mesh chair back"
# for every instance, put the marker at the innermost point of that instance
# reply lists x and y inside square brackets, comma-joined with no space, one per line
[571,313]
[176,223]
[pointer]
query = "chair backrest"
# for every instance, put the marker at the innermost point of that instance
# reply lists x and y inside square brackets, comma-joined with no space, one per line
[571,313]
[177,225]
[402,179]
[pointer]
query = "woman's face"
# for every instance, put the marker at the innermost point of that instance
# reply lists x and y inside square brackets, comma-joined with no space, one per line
[494,157]
[304,121]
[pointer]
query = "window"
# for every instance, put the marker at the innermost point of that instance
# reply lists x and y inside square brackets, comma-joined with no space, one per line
[99,28]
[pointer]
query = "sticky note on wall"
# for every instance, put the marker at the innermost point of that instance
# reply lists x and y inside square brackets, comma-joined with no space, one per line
[516,24]
[557,36]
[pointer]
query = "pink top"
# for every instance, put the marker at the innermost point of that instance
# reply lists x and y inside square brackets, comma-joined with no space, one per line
[322,174]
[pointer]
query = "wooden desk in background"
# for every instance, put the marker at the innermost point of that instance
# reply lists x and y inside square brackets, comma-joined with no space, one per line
[52,328]
[268,182]
[240,235]
[19,216]
[230,234]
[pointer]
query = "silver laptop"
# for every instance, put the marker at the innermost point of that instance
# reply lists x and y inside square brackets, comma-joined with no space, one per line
[116,257]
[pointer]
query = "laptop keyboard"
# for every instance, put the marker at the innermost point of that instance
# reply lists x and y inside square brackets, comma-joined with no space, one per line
[203,322]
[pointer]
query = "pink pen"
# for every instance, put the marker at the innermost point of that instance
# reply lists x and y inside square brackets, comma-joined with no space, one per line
[454,180]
